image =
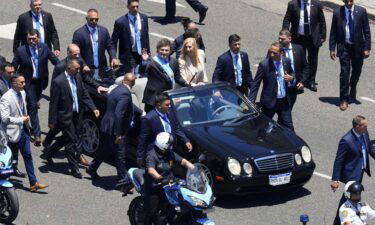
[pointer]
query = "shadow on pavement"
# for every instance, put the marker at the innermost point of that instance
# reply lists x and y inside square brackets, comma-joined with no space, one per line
[18,184]
[57,167]
[330,100]
[266,199]
[157,19]
[106,182]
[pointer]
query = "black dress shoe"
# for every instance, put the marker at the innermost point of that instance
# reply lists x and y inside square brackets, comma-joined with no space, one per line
[76,174]
[202,14]
[124,188]
[313,87]
[166,20]
[92,173]
[18,173]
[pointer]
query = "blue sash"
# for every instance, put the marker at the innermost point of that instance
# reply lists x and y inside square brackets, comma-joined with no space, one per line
[167,69]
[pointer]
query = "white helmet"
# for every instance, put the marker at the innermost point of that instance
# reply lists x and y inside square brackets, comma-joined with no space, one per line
[164,141]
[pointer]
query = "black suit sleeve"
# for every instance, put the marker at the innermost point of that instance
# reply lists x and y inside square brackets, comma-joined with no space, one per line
[54,35]
[305,70]
[322,23]
[249,75]
[366,31]
[116,35]
[52,58]
[144,135]
[177,76]
[332,35]
[86,99]
[121,111]
[218,70]
[109,46]
[147,36]
[87,79]
[16,60]
[256,83]
[53,104]
[288,16]
[178,131]
[339,160]
[18,34]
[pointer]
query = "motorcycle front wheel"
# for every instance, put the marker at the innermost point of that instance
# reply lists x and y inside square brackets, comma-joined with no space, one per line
[9,205]
[136,210]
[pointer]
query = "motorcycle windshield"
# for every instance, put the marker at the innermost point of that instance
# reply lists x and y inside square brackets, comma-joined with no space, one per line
[196,180]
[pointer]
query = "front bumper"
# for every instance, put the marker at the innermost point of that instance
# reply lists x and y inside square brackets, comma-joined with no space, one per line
[260,183]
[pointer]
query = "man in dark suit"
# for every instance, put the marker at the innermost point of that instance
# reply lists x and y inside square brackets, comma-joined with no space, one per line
[7,71]
[32,60]
[170,8]
[156,121]
[191,32]
[297,57]
[350,33]
[234,67]
[130,32]
[40,20]
[277,74]
[305,20]
[352,157]
[114,127]
[93,40]
[68,100]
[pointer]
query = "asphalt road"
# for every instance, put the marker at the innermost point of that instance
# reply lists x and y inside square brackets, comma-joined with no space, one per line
[317,119]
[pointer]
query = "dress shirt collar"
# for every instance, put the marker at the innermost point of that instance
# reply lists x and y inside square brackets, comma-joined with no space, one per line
[303,2]
[91,28]
[356,134]
[35,14]
[234,54]
[127,86]
[160,113]
[347,9]
[289,47]
[14,92]
[67,76]
[131,16]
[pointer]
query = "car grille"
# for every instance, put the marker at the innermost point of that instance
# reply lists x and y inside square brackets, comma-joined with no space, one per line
[275,162]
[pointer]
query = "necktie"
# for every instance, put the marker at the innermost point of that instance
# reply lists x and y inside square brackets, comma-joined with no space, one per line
[280,78]
[351,27]
[137,35]
[306,25]
[95,47]
[35,60]
[20,102]
[363,148]
[238,71]
[167,126]
[289,55]
[74,93]
[38,27]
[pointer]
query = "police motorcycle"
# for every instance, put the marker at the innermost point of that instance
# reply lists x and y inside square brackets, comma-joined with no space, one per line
[9,205]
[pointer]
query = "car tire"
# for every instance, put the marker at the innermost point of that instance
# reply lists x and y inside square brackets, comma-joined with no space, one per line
[89,140]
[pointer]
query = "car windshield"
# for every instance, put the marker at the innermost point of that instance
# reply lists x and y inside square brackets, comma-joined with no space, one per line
[207,105]
[196,180]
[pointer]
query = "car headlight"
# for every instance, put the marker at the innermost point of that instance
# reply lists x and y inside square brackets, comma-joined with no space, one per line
[198,202]
[234,167]
[306,154]
[248,169]
[298,159]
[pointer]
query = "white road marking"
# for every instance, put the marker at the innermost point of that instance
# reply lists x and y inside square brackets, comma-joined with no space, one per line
[7,31]
[69,8]
[163,2]
[368,99]
[323,176]
[161,36]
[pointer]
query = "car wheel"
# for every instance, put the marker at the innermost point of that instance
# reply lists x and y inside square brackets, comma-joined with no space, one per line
[90,137]
[206,171]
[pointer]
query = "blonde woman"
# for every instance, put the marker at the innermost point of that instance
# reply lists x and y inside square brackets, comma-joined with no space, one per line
[191,63]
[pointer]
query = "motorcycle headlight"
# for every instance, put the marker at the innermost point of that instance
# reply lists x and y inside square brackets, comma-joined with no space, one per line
[248,169]
[298,159]
[234,167]
[306,154]
[198,202]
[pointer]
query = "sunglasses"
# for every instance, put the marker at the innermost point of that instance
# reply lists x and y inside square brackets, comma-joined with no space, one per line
[94,19]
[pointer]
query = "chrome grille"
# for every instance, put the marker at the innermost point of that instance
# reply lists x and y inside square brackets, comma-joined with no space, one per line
[275,162]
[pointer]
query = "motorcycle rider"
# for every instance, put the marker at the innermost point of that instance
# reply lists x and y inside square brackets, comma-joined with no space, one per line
[353,211]
[159,163]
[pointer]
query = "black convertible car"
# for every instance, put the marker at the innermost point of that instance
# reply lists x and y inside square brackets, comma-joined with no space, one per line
[241,150]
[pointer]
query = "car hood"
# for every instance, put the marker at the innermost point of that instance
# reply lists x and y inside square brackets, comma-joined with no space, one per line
[251,138]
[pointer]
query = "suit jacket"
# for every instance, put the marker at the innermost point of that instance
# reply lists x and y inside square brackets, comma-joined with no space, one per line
[362,34]
[119,112]
[61,103]
[23,64]
[158,81]
[82,38]
[25,23]
[317,20]
[349,158]
[301,67]
[267,74]
[11,115]
[179,41]
[224,71]
[61,67]
[3,86]
[122,35]
[151,126]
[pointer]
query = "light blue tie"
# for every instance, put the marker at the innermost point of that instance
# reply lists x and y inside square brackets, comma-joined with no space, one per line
[137,35]
[74,93]
[38,27]
[35,60]
[167,126]
[363,147]
[238,71]
[95,47]
[280,79]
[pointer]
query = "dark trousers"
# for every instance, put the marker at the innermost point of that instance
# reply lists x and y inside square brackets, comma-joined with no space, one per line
[170,6]
[23,145]
[33,94]
[153,199]
[312,53]
[59,141]
[347,59]
[342,200]
[148,107]
[284,113]
[105,151]
[131,62]
[72,151]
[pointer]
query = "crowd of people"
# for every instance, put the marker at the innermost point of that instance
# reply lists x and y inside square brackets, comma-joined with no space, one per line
[291,66]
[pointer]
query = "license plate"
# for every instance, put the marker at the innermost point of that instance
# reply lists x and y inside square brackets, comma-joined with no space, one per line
[279,179]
